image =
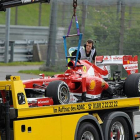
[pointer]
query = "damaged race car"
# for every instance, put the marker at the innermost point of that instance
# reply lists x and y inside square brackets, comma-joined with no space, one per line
[86,82]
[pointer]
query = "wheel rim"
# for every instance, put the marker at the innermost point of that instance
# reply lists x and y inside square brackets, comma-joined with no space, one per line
[63,94]
[117,131]
[87,136]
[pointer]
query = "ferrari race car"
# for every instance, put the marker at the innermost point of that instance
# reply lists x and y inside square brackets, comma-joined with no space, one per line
[86,82]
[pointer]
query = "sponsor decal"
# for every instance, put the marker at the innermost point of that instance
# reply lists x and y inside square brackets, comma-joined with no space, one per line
[130,67]
[42,102]
[27,1]
[127,61]
[132,71]
[133,62]
[92,85]
[113,57]
[84,69]
[117,58]
[83,107]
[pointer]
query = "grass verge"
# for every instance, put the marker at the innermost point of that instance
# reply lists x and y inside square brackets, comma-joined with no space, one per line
[21,63]
[37,72]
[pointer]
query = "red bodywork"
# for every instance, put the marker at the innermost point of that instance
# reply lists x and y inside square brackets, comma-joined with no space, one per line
[84,77]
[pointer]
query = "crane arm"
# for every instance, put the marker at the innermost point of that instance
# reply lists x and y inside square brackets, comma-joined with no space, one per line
[13,3]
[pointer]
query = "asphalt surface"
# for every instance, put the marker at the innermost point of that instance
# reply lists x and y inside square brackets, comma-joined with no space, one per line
[13,70]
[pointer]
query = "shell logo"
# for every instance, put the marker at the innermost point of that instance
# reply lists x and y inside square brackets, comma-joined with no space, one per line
[92,85]
[127,61]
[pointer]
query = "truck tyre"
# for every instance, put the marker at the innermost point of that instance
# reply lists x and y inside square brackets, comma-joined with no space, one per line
[87,131]
[59,91]
[118,129]
[132,85]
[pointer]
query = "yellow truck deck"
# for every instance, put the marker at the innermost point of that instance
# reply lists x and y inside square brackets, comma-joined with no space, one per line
[73,121]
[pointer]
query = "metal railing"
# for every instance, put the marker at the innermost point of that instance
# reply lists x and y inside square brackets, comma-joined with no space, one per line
[21,50]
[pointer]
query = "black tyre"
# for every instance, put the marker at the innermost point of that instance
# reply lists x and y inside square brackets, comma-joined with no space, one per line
[59,91]
[132,85]
[118,129]
[87,131]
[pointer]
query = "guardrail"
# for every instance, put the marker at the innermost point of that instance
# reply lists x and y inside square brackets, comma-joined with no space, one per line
[21,50]
[24,38]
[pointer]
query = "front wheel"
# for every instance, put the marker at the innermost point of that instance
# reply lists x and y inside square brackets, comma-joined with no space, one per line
[87,131]
[59,91]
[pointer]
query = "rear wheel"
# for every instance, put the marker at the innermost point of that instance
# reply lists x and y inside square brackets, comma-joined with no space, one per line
[87,131]
[132,85]
[118,129]
[59,91]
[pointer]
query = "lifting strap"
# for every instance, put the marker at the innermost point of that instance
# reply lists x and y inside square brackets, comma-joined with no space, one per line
[78,32]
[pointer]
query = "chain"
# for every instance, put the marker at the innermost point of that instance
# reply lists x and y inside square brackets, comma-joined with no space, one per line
[74,7]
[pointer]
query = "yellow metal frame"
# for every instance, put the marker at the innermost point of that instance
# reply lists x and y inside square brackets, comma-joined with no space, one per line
[14,85]
[79,107]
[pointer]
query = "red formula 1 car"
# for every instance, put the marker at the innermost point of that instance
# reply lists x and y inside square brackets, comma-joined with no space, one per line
[86,81]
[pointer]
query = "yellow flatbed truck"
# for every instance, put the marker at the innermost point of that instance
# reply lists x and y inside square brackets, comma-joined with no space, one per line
[114,119]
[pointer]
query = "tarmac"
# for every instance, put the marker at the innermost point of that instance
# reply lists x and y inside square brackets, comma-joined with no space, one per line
[13,70]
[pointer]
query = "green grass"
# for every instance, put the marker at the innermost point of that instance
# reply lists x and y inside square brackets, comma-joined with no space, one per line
[21,63]
[37,72]
[29,15]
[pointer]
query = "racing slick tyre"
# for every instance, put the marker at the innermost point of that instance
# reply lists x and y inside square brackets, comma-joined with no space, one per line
[59,91]
[87,131]
[118,129]
[132,85]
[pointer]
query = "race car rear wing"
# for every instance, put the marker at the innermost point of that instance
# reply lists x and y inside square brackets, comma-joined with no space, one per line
[129,63]
[13,3]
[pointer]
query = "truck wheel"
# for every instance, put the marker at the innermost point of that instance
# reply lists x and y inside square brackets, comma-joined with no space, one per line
[118,129]
[59,91]
[87,131]
[132,85]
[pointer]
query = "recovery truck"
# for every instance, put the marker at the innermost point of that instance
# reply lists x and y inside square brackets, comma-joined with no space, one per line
[113,119]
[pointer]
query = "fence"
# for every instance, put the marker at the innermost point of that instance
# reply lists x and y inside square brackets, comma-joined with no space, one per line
[113,24]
